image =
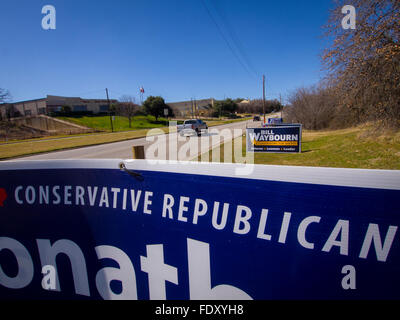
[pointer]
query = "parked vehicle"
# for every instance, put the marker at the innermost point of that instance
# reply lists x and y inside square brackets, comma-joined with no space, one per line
[192,126]
[256,118]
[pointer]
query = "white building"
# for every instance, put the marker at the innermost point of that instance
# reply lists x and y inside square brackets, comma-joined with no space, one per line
[52,104]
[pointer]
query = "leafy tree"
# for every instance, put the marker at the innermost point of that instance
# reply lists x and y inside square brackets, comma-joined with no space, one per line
[238,100]
[225,107]
[155,106]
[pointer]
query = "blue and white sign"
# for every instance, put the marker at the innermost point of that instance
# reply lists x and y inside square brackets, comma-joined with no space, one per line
[275,120]
[274,139]
[89,230]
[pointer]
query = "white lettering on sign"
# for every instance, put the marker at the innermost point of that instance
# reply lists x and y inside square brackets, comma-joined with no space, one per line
[183,208]
[199,203]
[373,235]
[25,269]
[125,274]
[242,225]
[284,227]
[168,204]
[257,136]
[80,196]
[301,231]
[220,225]
[48,253]
[158,272]
[342,228]
[200,276]
[153,264]
[246,221]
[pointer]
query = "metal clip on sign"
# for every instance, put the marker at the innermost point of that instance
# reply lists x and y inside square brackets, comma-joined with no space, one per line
[134,174]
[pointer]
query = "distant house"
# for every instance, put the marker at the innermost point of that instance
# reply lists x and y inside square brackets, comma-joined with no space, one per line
[52,104]
[191,108]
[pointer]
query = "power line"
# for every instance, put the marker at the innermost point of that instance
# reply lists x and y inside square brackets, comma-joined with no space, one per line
[226,40]
[88,92]
[116,92]
[234,37]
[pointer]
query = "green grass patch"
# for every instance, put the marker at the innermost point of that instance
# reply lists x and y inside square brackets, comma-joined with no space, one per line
[361,147]
[103,123]
[12,150]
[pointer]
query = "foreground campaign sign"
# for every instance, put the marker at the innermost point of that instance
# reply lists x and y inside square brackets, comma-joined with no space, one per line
[274,138]
[97,229]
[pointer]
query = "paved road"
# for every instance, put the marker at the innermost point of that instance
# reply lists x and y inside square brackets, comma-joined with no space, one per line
[170,146]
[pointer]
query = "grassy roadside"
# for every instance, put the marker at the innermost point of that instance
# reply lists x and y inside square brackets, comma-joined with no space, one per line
[102,123]
[41,145]
[359,147]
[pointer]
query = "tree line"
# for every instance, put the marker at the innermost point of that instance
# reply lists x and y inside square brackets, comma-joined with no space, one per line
[222,108]
[156,106]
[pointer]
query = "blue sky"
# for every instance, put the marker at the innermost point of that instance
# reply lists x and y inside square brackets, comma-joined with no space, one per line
[171,47]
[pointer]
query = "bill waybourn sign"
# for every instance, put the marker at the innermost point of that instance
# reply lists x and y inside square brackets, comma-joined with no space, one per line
[275,139]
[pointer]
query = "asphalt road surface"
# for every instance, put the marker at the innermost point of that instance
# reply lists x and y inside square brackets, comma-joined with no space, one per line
[168,146]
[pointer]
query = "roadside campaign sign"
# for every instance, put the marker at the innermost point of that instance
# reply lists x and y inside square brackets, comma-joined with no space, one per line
[96,229]
[274,139]
[275,120]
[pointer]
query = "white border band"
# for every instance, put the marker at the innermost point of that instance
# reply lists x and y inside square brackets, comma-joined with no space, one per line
[363,178]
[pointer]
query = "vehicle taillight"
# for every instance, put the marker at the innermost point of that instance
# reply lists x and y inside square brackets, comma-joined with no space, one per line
[192,126]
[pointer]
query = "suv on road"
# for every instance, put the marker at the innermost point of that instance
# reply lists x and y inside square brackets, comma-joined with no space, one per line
[192,126]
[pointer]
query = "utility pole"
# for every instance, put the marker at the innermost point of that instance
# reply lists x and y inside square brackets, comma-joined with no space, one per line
[109,111]
[264,97]
[196,111]
[191,107]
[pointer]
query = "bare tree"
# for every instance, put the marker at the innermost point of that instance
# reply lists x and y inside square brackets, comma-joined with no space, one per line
[4,95]
[314,107]
[256,106]
[127,107]
[364,63]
